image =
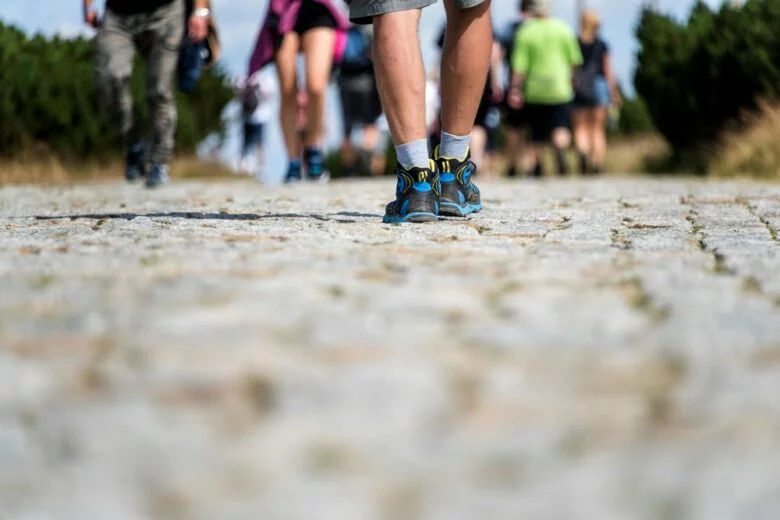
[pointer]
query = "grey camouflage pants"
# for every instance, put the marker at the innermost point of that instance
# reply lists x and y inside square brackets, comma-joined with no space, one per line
[156,36]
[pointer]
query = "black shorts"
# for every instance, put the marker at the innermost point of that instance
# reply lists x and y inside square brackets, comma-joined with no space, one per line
[253,136]
[360,105]
[313,15]
[544,119]
[515,118]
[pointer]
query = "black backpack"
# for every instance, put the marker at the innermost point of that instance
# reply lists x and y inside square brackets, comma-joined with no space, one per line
[585,81]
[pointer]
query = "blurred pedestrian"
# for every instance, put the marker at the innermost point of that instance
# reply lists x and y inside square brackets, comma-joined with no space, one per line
[515,122]
[316,29]
[545,55]
[256,95]
[596,90]
[155,29]
[360,105]
[196,55]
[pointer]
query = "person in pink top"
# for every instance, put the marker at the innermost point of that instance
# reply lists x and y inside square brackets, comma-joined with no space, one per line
[316,29]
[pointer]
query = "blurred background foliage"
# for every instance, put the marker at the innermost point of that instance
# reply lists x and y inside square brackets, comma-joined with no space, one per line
[709,85]
[48,103]
[706,79]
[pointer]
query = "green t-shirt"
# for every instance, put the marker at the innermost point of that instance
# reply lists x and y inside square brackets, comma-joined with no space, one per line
[545,51]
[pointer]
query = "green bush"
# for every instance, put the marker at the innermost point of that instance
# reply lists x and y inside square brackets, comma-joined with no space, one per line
[634,118]
[48,100]
[701,76]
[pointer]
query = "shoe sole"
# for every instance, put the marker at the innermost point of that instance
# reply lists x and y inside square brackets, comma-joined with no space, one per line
[451,209]
[417,218]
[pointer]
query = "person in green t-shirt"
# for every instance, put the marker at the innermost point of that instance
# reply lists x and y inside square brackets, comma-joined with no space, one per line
[545,55]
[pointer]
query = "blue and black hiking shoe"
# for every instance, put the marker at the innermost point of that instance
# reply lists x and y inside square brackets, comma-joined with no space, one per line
[157,176]
[416,196]
[315,164]
[135,161]
[459,196]
[294,172]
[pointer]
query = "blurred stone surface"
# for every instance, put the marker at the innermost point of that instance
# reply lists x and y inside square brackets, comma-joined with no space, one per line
[601,349]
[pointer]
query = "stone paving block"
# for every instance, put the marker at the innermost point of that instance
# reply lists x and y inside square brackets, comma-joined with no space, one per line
[228,350]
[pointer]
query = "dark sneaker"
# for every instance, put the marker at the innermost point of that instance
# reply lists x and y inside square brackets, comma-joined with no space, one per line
[157,176]
[459,196]
[294,172]
[416,196]
[135,162]
[315,163]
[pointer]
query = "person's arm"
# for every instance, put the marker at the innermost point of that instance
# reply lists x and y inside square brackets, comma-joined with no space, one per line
[519,67]
[575,57]
[198,25]
[90,14]
[496,60]
[611,81]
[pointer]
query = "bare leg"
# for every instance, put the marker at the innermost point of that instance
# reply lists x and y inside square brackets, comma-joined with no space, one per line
[318,48]
[371,137]
[599,136]
[513,148]
[400,74]
[582,137]
[582,133]
[561,140]
[478,145]
[288,85]
[464,66]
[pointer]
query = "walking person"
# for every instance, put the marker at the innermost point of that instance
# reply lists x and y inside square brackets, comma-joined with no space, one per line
[596,90]
[360,105]
[316,29]
[515,122]
[426,188]
[256,95]
[543,61]
[154,28]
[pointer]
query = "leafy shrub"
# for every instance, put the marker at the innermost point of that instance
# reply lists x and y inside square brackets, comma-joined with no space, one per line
[700,77]
[48,100]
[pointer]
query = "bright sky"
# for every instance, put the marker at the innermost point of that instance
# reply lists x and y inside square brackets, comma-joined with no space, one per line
[240,19]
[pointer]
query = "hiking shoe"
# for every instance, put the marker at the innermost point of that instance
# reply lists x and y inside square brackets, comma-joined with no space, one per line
[416,196]
[157,176]
[294,172]
[459,196]
[135,162]
[314,161]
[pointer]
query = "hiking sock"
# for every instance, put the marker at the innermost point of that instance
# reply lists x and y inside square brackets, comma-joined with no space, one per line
[560,158]
[454,146]
[413,154]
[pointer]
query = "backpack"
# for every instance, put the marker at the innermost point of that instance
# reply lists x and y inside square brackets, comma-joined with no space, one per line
[585,83]
[357,52]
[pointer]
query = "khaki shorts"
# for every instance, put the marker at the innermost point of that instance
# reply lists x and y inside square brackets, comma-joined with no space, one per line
[362,11]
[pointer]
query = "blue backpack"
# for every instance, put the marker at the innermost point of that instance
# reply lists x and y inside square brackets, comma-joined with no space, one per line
[357,53]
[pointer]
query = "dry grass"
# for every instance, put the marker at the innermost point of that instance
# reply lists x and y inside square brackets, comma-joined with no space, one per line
[752,152]
[638,154]
[51,170]
[641,154]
